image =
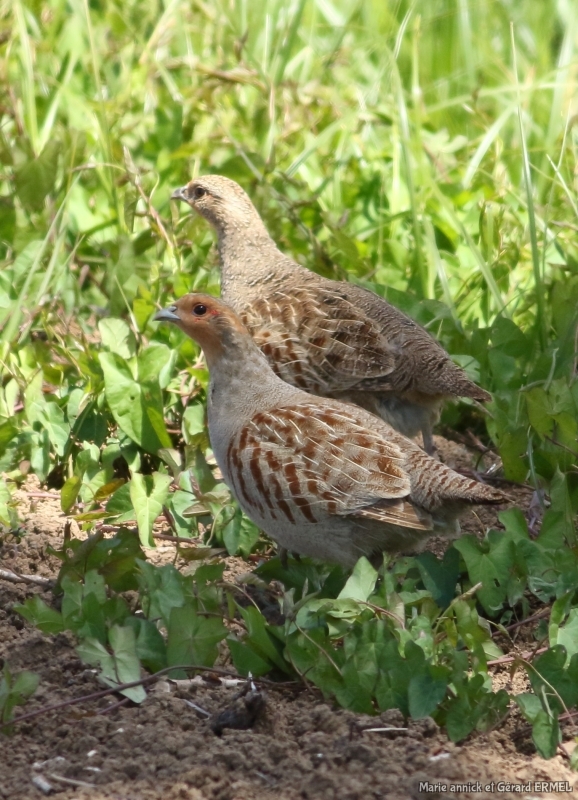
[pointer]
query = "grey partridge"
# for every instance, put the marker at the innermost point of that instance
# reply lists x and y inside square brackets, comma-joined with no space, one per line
[323,478]
[331,338]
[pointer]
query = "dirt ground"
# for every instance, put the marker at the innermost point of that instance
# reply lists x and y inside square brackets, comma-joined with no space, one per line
[300,748]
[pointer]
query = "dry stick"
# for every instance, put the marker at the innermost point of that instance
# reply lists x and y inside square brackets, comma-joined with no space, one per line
[70,781]
[112,706]
[539,615]
[35,580]
[147,679]
[167,537]
[177,539]
[521,657]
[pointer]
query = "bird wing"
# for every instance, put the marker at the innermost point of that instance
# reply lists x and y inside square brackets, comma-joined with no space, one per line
[329,337]
[318,340]
[308,460]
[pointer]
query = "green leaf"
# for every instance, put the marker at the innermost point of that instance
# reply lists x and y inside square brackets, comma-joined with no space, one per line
[123,642]
[120,666]
[568,633]
[69,492]
[35,179]
[259,639]
[117,337]
[460,720]
[540,411]
[193,638]
[129,206]
[8,515]
[552,677]
[148,494]
[246,659]
[15,690]
[150,645]
[361,583]
[138,410]
[155,364]
[194,423]
[546,734]
[239,534]
[529,704]
[42,616]
[508,337]
[440,577]
[491,569]
[51,417]
[426,692]
[161,589]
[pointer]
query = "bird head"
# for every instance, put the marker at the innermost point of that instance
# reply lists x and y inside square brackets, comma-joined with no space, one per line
[209,321]
[220,200]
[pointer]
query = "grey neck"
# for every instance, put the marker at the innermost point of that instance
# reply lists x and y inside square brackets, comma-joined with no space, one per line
[247,254]
[241,385]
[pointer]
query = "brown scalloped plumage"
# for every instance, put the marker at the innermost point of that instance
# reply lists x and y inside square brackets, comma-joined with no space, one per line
[327,337]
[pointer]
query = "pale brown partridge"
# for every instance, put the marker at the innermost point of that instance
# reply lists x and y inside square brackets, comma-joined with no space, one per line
[321,477]
[330,338]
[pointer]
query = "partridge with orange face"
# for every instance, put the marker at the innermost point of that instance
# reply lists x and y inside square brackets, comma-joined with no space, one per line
[328,337]
[321,477]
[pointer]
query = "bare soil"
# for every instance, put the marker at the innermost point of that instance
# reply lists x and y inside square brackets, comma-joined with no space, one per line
[301,747]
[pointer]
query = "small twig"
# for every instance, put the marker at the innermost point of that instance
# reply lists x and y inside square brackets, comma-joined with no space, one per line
[521,657]
[49,495]
[34,580]
[105,528]
[540,615]
[383,730]
[113,706]
[385,612]
[70,781]
[177,539]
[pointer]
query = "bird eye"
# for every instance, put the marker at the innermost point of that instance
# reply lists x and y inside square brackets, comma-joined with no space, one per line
[199,310]
[199,192]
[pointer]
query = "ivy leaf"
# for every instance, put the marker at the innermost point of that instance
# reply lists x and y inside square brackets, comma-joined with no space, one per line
[69,492]
[117,337]
[546,734]
[425,692]
[440,577]
[148,494]
[120,666]
[193,638]
[46,619]
[246,660]
[35,179]
[137,409]
[361,583]
[489,564]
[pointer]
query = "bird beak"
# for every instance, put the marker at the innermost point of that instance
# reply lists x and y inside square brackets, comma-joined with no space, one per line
[180,194]
[167,315]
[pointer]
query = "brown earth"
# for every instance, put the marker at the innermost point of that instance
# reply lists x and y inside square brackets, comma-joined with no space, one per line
[301,747]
